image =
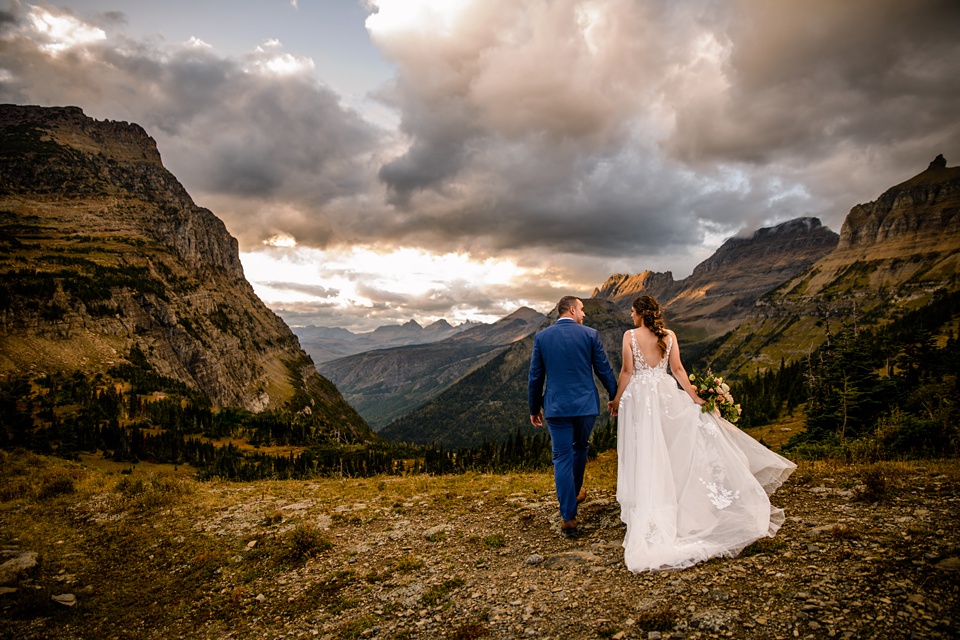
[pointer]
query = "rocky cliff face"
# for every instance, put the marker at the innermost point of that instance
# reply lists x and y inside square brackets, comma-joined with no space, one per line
[893,254]
[622,288]
[921,212]
[105,254]
[722,289]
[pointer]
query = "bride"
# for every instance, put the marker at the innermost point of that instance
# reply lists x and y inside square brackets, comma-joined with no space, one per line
[691,486]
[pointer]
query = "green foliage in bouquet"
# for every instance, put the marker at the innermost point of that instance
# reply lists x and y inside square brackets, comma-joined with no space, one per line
[717,395]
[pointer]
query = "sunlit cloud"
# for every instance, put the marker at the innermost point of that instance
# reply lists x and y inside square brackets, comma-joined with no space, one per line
[390,285]
[281,240]
[62,32]
[271,58]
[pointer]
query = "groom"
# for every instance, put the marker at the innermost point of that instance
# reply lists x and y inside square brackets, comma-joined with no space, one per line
[567,355]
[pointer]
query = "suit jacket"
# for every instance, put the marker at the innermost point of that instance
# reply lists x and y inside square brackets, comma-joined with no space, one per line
[565,356]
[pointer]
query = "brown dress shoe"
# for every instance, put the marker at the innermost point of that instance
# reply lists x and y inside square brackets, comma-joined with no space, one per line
[569,528]
[582,495]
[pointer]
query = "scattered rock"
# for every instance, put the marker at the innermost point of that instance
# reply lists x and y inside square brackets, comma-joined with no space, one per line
[21,562]
[434,532]
[66,599]
[948,564]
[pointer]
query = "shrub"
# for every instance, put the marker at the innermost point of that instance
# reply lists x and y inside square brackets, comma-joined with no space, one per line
[57,487]
[303,542]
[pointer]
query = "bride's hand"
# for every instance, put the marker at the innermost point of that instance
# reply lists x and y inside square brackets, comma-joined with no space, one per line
[612,408]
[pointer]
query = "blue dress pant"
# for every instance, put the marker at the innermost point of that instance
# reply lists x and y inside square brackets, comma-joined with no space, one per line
[570,439]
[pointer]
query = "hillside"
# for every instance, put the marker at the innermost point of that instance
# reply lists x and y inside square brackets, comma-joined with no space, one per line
[491,402]
[386,383]
[893,255]
[866,551]
[109,266]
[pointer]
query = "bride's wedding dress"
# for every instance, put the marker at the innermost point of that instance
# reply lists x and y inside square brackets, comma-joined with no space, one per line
[691,486]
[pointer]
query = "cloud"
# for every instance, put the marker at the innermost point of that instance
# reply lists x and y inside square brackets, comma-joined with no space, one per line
[314,291]
[804,77]
[612,127]
[572,138]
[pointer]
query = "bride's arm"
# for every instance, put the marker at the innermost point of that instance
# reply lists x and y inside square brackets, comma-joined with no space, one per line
[676,368]
[626,371]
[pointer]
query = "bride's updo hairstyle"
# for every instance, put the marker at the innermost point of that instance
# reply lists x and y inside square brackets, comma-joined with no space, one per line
[649,309]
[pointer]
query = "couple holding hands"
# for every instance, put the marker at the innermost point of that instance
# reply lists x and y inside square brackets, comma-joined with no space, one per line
[691,486]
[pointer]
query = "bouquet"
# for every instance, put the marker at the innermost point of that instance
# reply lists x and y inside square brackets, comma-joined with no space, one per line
[716,392]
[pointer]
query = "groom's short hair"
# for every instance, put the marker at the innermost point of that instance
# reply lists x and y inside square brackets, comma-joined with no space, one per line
[566,303]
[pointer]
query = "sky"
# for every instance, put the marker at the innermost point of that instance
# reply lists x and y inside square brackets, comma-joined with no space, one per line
[387,160]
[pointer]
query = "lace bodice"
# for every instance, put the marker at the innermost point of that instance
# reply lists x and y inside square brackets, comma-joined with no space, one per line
[640,366]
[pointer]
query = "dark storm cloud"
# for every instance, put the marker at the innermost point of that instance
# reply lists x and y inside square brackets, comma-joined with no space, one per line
[808,77]
[258,135]
[615,126]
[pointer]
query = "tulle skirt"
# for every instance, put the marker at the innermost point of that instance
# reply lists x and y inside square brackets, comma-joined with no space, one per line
[691,486]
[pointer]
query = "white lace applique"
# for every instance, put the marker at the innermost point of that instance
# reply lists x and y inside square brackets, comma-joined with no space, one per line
[709,426]
[653,534]
[719,495]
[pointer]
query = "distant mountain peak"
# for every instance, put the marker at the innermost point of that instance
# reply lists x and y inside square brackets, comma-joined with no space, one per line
[796,226]
[440,324]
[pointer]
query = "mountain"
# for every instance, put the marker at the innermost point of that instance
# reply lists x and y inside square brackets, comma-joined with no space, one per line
[330,343]
[722,289]
[109,265]
[894,254]
[386,383]
[490,403]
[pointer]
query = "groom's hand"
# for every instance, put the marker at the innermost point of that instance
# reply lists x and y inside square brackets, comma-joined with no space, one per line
[537,419]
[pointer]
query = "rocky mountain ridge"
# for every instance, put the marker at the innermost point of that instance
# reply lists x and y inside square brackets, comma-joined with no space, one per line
[386,383]
[324,344]
[106,256]
[490,403]
[722,289]
[894,254]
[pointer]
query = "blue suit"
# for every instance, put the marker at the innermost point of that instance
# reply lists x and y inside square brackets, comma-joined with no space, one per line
[565,357]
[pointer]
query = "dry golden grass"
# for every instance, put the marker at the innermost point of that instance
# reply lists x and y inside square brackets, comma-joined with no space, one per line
[776,434]
[151,552]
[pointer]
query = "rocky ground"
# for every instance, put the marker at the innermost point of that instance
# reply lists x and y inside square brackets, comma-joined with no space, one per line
[866,552]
